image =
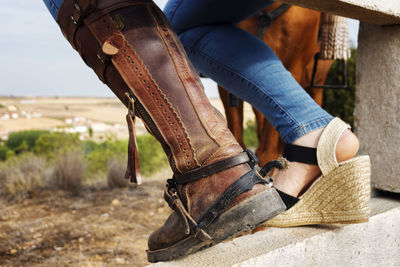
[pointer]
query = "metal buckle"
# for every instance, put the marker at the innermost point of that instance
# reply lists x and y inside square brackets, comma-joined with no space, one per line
[118,22]
[78,9]
[102,57]
[344,85]
[253,160]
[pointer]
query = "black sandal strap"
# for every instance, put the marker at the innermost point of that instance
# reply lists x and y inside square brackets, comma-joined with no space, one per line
[301,154]
[279,164]
[196,174]
[287,199]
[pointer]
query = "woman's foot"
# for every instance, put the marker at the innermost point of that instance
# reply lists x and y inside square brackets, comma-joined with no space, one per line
[299,176]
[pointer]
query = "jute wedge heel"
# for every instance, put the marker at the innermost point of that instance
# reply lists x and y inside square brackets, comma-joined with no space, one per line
[340,195]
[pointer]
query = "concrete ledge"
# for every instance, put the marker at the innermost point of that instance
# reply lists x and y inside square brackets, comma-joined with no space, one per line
[377,107]
[376,243]
[381,12]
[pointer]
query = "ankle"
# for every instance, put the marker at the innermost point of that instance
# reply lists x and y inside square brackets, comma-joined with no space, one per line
[347,146]
[300,176]
[310,139]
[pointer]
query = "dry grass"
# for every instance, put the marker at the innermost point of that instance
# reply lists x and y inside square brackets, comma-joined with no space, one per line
[101,227]
[69,171]
[22,176]
[116,173]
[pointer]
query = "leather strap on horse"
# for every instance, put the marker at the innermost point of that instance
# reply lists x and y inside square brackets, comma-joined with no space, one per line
[335,45]
[265,20]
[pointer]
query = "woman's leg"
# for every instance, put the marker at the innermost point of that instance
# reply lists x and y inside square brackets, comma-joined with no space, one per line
[249,69]
[243,64]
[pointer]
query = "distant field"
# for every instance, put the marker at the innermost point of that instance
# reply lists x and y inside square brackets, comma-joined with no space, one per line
[55,110]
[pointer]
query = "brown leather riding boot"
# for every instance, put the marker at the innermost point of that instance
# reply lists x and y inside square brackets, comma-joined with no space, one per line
[215,192]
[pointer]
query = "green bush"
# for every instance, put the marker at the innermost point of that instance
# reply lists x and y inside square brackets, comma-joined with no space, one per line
[97,156]
[250,134]
[24,140]
[50,144]
[89,146]
[5,152]
[100,155]
[340,102]
[151,155]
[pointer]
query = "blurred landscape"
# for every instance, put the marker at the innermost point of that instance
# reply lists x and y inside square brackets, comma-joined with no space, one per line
[104,116]
[63,193]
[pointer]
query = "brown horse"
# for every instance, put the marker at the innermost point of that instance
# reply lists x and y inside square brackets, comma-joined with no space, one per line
[293,36]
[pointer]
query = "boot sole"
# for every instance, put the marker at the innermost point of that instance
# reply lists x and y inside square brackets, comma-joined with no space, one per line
[240,218]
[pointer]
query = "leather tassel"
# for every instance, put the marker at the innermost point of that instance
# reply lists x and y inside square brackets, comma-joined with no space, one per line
[133,170]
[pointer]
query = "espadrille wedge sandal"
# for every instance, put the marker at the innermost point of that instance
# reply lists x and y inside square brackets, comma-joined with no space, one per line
[339,196]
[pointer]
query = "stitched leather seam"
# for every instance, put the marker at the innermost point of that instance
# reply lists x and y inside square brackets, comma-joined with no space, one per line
[212,157]
[167,116]
[141,73]
[172,56]
[174,51]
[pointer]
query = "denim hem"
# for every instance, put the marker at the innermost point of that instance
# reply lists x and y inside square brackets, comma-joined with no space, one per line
[306,128]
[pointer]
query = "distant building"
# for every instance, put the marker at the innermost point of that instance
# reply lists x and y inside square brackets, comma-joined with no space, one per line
[5,116]
[99,127]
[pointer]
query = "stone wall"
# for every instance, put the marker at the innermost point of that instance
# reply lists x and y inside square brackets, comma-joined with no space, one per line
[377,111]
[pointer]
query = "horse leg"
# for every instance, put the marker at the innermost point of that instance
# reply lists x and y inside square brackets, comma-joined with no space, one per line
[234,116]
[320,77]
[269,146]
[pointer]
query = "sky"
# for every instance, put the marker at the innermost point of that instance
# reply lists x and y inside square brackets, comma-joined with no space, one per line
[36,60]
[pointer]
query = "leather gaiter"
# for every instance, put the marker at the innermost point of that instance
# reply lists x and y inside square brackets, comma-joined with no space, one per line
[131,47]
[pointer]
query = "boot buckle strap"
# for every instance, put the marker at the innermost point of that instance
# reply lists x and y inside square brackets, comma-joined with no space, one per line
[81,9]
[174,202]
[196,174]
[104,58]
[77,14]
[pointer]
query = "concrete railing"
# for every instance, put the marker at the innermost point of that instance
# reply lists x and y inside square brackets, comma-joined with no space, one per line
[381,12]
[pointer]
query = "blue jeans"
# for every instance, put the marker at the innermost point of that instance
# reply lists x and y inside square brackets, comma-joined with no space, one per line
[53,6]
[240,62]
[243,64]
